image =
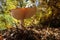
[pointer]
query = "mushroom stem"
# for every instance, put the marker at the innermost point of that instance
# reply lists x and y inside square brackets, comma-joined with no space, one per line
[22,24]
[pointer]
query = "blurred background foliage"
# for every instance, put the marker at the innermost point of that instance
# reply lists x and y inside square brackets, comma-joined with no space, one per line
[44,12]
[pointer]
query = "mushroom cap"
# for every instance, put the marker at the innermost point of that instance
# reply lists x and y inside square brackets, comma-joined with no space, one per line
[23,13]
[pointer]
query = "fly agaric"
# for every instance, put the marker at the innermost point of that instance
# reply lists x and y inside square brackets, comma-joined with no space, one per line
[23,13]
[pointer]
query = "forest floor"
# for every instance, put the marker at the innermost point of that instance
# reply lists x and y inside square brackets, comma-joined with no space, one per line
[47,33]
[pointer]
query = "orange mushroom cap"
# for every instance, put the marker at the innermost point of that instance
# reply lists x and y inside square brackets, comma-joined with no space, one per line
[23,13]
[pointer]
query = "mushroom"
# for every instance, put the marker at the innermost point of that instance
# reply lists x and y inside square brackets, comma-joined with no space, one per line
[23,13]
